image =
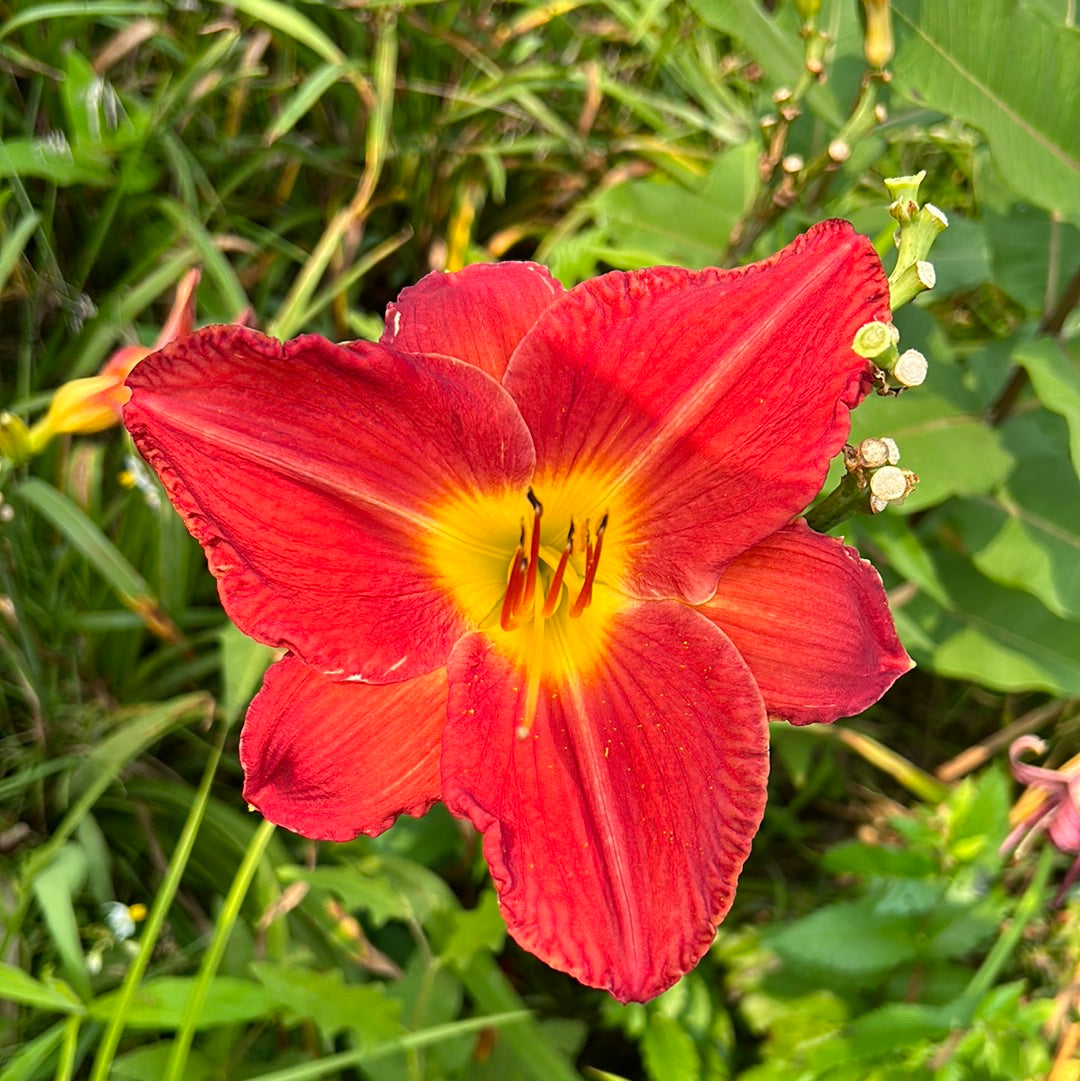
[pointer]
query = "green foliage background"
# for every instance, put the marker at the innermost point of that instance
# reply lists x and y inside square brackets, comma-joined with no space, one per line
[313,159]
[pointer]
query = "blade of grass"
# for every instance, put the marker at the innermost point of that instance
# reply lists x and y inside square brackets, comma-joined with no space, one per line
[83,535]
[311,89]
[230,909]
[151,933]
[82,9]
[384,67]
[152,723]
[14,243]
[310,1071]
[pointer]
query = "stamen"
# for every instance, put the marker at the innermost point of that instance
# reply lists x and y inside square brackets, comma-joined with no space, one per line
[551,602]
[592,561]
[511,605]
[534,550]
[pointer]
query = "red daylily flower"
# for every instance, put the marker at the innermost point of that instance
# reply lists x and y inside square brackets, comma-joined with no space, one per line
[533,554]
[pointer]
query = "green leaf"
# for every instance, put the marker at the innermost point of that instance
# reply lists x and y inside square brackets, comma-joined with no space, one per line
[159,1004]
[19,986]
[1028,535]
[326,999]
[961,257]
[976,62]
[314,85]
[669,1051]
[51,158]
[27,1062]
[293,24]
[856,858]
[148,1064]
[1001,638]
[473,930]
[847,938]
[1055,377]
[56,888]
[657,221]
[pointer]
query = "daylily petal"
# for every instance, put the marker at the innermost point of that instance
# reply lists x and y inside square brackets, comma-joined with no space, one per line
[333,760]
[712,401]
[307,471]
[811,620]
[478,314]
[616,830]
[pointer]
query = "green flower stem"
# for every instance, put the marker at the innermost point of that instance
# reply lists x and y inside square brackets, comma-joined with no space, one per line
[329,1065]
[156,920]
[175,1069]
[1033,900]
[844,501]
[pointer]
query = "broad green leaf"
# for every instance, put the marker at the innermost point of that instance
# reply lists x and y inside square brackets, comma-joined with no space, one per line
[847,938]
[669,1051]
[853,857]
[961,257]
[19,986]
[657,221]
[385,887]
[975,62]
[1001,638]
[51,158]
[148,1064]
[1027,536]
[473,930]
[941,435]
[1055,377]
[1022,240]
[159,1003]
[55,888]
[325,998]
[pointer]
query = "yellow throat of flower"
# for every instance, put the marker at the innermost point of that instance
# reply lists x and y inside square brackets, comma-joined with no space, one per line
[537,572]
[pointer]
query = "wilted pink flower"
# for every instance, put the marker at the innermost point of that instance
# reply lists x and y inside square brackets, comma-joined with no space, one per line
[1051,804]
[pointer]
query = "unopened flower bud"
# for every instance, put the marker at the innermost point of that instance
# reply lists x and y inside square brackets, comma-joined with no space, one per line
[15,443]
[910,368]
[807,9]
[878,36]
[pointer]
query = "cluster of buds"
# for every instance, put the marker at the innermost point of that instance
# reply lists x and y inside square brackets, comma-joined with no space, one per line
[918,228]
[894,371]
[872,481]
[85,406]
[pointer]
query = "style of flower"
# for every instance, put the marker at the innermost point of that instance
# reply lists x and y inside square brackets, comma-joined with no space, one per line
[533,554]
[92,404]
[1050,805]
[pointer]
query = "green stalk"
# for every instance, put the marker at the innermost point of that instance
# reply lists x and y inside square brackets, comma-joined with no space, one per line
[177,1064]
[1033,900]
[156,920]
